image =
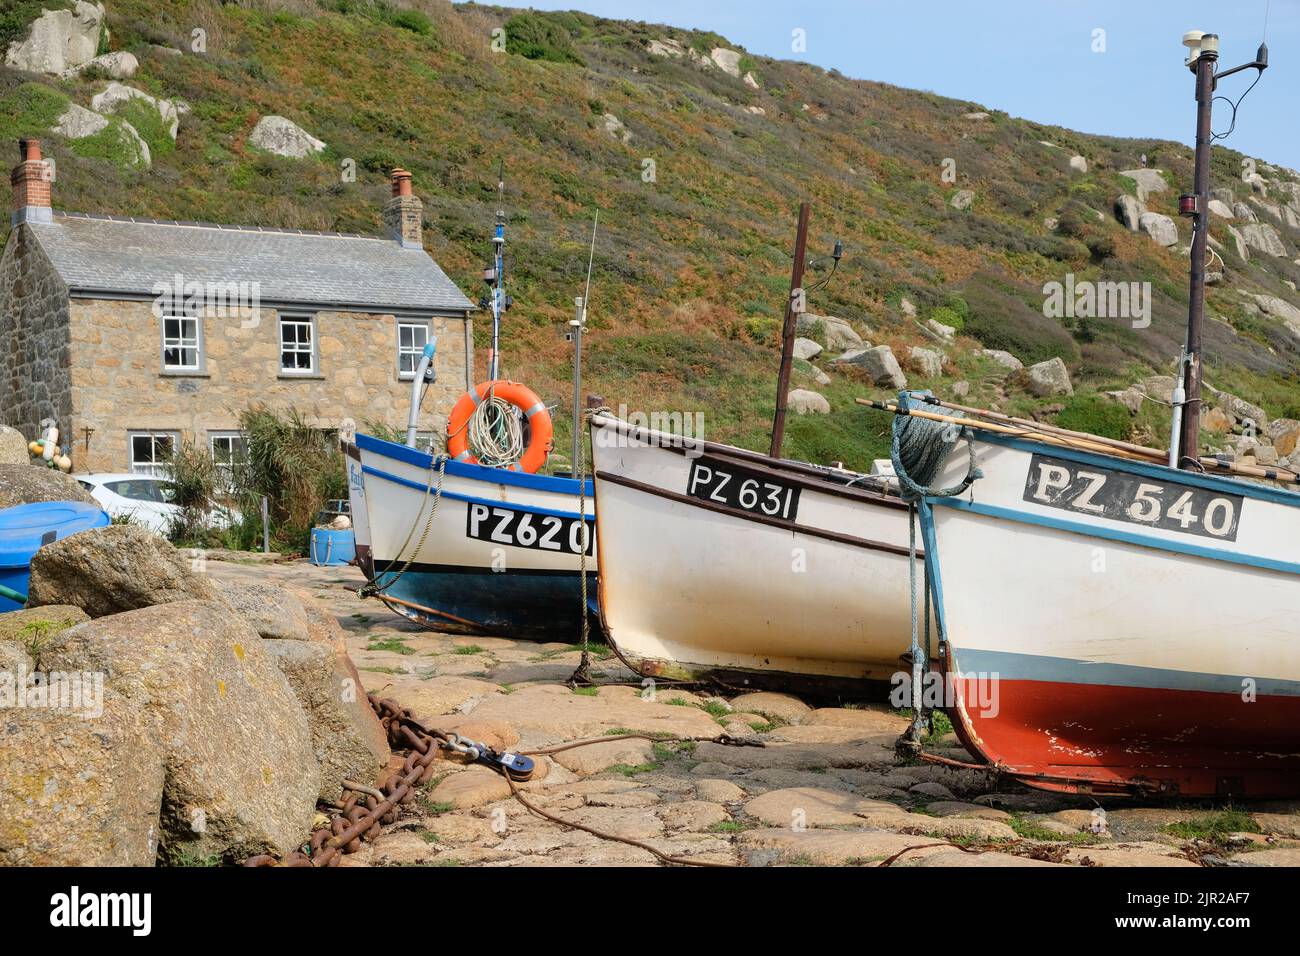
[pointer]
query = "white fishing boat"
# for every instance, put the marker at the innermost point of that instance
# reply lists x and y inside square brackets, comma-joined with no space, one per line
[721,561]
[1112,622]
[1112,625]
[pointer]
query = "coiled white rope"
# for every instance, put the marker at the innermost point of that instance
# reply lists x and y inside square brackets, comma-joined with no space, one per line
[496,433]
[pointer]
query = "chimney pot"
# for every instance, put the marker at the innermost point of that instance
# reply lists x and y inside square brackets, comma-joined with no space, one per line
[401,182]
[29,150]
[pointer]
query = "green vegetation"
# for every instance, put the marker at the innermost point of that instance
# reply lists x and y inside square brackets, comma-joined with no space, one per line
[17,17]
[394,645]
[31,109]
[542,36]
[1097,416]
[468,649]
[1214,827]
[1033,830]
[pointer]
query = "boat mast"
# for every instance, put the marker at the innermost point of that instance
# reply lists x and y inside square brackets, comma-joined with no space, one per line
[494,275]
[1204,55]
[793,307]
[578,324]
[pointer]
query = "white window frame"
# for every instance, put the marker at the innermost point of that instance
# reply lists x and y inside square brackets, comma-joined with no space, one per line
[415,351]
[155,467]
[227,468]
[183,342]
[299,319]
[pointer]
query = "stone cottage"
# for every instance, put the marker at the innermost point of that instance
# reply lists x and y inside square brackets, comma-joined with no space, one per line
[133,334]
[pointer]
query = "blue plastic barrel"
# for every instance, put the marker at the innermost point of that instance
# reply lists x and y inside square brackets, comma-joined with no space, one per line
[330,547]
[24,529]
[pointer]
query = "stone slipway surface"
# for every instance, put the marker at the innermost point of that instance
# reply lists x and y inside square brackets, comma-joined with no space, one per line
[826,790]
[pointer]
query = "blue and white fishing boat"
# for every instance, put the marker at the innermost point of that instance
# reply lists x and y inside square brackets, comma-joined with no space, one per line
[470,549]
[486,548]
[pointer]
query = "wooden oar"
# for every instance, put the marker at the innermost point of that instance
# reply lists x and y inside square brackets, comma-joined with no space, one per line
[1084,444]
[1154,453]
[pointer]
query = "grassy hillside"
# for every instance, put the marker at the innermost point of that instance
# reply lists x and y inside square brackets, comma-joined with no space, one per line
[691,269]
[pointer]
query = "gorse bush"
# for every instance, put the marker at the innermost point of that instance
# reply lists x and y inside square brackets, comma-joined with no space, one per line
[1096,416]
[540,36]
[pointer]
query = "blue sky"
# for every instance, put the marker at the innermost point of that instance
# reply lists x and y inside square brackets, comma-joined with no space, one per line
[1032,58]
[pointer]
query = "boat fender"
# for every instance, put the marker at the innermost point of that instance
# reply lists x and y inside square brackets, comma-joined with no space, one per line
[540,430]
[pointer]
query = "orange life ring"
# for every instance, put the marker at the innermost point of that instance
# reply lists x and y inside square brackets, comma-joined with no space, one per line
[540,430]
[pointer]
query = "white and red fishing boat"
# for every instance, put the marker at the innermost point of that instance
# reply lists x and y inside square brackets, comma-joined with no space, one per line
[725,562]
[1114,624]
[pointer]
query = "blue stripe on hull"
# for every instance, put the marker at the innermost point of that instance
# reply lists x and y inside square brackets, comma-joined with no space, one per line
[515,604]
[1009,665]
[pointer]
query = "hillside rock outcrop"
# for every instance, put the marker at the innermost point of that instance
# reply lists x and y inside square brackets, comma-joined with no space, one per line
[283,137]
[59,40]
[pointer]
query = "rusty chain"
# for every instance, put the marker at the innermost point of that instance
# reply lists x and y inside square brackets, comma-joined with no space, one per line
[366,810]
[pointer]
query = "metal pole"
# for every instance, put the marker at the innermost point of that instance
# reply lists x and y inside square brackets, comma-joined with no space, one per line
[266,527]
[788,329]
[1189,442]
[578,318]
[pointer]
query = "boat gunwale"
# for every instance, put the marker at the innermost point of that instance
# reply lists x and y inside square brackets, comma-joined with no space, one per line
[801,474]
[778,523]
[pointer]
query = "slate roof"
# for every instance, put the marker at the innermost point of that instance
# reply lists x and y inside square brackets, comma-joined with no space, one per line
[116,254]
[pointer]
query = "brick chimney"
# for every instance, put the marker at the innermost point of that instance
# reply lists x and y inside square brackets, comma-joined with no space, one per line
[404,213]
[31,181]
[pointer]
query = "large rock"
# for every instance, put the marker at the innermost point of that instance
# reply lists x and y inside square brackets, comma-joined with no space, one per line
[879,364]
[1148,181]
[115,95]
[283,137]
[1264,238]
[1239,242]
[1221,209]
[117,568]
[77,122]
[962,199]
[927,361]
[28,484]
[80,790]
[274,612]
[349,741]
[1050,378]
[1078,164]
[13,446]
[1129,211]
[1003,358]
[837,332]
[1241,210]
[241,771]
[59,40]
[728,61]
[805,349]
[1160,228]
[119,65]
[1240,409]
[803,401]
[783,707]
[1280,309]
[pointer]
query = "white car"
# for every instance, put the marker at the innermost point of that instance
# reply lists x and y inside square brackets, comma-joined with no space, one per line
[145,499]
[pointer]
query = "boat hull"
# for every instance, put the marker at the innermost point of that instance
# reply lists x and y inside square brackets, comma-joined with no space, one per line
[816,594]
[501,555]
[1133,653]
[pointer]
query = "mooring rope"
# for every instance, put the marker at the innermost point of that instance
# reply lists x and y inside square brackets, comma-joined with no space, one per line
[496,433]
[918,451]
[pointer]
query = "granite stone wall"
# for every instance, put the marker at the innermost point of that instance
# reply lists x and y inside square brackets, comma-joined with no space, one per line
[118,384]
[34,343]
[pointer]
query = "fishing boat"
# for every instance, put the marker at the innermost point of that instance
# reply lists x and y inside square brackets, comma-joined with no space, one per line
[722,562]
[474,540]
[1111,622]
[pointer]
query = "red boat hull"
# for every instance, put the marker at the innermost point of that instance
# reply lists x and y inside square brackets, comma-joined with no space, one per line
[1098,738]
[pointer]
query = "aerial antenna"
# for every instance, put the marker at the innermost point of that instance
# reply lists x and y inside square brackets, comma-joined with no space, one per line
[494,276]
[577,325]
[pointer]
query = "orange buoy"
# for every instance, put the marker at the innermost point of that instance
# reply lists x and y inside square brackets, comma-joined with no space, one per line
[540,430]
